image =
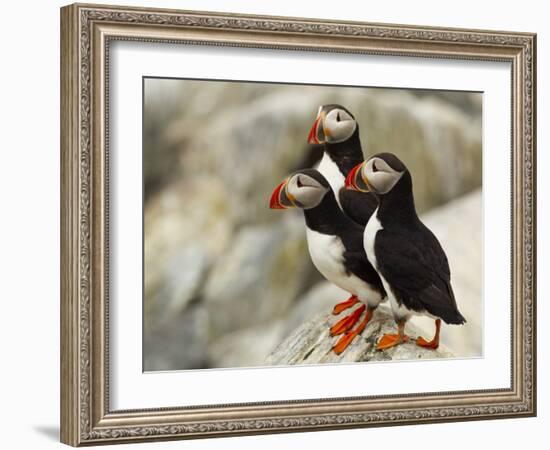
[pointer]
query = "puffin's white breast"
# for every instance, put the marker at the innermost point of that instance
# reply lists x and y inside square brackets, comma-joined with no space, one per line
[327,255]
[369,237]
[328,168]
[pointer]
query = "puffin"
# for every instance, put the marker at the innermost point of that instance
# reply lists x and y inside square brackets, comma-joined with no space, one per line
[337,130]
[407,256]
[335,244]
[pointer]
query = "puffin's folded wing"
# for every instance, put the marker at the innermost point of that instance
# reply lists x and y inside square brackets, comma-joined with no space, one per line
[358,206]
[420,278]
[356,262]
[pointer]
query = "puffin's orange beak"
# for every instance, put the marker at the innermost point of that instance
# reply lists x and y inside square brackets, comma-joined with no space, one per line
[275,202]
[352,177]
[312,136]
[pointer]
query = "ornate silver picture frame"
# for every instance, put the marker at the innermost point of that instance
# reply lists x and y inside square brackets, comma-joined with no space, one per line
[87,32]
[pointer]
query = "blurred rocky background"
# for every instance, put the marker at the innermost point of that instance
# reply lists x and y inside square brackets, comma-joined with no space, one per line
[226,278]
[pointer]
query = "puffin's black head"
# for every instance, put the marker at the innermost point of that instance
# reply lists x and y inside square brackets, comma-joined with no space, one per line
[379,174]
[303,189]
[333,124]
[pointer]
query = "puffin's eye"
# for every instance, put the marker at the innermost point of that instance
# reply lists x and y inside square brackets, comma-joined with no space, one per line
[374,168]
[299,183]
[338,116]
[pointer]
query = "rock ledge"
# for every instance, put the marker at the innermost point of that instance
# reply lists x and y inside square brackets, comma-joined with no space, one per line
[311,343]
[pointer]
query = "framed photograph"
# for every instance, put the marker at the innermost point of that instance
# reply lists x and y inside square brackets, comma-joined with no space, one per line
[279,224]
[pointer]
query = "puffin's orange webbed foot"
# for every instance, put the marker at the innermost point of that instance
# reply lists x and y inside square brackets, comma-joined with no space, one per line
[421,342]
[434,343]
[344,342]
[347,338]
[391,340]
[347,322]
[344,305]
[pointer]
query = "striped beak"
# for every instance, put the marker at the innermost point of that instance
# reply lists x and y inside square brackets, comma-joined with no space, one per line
[316,133]
[355,180]
[275,201]
[281,198]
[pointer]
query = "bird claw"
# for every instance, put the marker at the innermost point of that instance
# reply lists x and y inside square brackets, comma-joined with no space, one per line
[344,305]
[391,340]
[344,342]
[347,338]
[434,343]
[421,342]
[347,322]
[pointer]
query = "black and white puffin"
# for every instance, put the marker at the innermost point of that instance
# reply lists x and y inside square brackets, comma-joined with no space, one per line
[337,130]
[407,256]
[335,244]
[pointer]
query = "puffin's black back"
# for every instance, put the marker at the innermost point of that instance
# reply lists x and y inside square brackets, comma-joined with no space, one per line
[410,257]
[358,206]
[415,266]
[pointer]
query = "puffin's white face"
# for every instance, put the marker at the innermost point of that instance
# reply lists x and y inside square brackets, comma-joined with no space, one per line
[333,127]
[338,126]
[379,176]
[299,190]
[305,191]
[374,175]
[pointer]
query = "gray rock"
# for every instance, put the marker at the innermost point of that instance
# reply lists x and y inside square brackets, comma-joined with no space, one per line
[249,347]
[246,347]
[320,297]
[257,280]
[186,228]
[180,279]
[311,343]
[180,346]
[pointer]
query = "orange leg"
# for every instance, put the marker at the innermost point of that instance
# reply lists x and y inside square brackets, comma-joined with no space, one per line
[434,343]
[347,338]
[345,305]
[391,340]
[347,322]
